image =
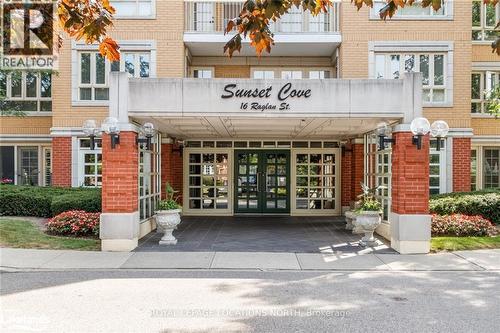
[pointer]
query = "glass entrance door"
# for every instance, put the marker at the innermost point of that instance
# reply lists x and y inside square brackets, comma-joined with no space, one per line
[262,181]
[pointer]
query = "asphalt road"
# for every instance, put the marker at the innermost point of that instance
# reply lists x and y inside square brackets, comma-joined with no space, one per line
[250,301]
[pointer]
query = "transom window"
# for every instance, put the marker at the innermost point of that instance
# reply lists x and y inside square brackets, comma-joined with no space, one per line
[315,180]
[291,73]
[431,65]
[208,181]
[26,91]
[484,20]
[133,8]
[481,84]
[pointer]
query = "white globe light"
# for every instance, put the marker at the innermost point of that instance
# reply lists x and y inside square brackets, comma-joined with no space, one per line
[89,127]
[439,129]
[148,129]
[383,129]
[420,126]
[110,126]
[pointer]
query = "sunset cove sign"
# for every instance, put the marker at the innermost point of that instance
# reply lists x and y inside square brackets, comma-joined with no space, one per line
[257,99]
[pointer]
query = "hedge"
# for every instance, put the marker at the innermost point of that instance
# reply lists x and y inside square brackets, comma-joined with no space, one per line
[46,201]
[484,203]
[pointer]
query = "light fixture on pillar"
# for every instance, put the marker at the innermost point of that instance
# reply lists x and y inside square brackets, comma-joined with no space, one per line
[148,130]
[110,126]
[383,131]
[439,130]
[419,127]
[91,130]
[178,146]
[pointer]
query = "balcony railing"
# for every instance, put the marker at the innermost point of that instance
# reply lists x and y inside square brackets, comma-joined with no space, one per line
[206,16]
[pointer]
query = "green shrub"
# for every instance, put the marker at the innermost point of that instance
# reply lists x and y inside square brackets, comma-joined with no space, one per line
[46,201]
[484,203]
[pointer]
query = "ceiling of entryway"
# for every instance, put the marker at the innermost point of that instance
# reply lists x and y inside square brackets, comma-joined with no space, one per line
[260,128]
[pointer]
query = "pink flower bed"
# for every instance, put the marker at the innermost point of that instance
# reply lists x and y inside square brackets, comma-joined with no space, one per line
[75,223]
[461,225]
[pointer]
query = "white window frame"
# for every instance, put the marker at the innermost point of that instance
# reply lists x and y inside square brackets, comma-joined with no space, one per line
[126,46]
[82,151]
[38,98]
[278,72]
[483,28]
[442,166]
[41,158]
[207,69]
[484,87]
[92,85]
[151,174]
[137,63]
[432,16]
[152,16]
[421,47]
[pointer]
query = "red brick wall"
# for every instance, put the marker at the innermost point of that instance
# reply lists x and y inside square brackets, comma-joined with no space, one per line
[410,175]
[120,193]
[358,166]
[346,175]
[61,161]
[461,164]
[171,169]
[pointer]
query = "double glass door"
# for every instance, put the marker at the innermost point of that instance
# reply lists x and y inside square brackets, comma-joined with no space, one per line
[262,181]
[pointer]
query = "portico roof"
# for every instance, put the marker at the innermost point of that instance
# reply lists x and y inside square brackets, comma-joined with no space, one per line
[250,108]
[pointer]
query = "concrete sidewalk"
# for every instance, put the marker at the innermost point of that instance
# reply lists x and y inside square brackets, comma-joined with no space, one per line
[24,259]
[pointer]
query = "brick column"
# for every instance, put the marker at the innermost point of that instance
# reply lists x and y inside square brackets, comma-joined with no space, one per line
[61,161]
[461,164]
[120,194]
[358,165]
[409,218]
[171,168]
[346,177]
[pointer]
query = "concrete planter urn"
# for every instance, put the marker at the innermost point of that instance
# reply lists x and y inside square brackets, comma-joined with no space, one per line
[368,221]
[168,220]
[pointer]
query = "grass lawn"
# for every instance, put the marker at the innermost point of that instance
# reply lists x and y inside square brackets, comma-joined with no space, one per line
[464,243]
[23,234]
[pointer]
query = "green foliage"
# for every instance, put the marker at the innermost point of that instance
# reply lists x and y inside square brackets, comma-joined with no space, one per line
[170,203]
[493,101]
[368,200]
[46,201]
[483,203]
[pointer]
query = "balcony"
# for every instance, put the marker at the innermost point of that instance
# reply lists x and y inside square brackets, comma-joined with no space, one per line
[296,34]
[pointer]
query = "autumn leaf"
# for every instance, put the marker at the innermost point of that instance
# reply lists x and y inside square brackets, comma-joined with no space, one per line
[109,49]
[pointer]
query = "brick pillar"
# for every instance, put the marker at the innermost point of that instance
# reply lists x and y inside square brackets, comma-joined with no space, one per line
[61,161]
[120,194]
[171,168]
[346,176]
[461,164]
[410,219]
[358,165]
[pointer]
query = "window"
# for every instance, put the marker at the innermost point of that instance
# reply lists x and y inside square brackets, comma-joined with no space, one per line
[7,165]
[90,163]
[319,74]
[93,77]
[484,20]
[287,75]
[93,72]
[415,11]
[263,74]
[204,16]
[203,73]
[292,21]
[27,91]
[137,64]
[149,178]
[47,166]
[437,168]
[133,8]
[473,170]
[481,84]
[28,166]
[315,186]
[318,23]
[491,172]
[431,65]
[208,181]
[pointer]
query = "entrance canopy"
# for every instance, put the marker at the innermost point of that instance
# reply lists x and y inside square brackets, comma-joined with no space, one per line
[250,108]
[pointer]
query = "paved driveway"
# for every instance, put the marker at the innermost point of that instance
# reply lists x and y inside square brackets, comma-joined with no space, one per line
[260,234]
